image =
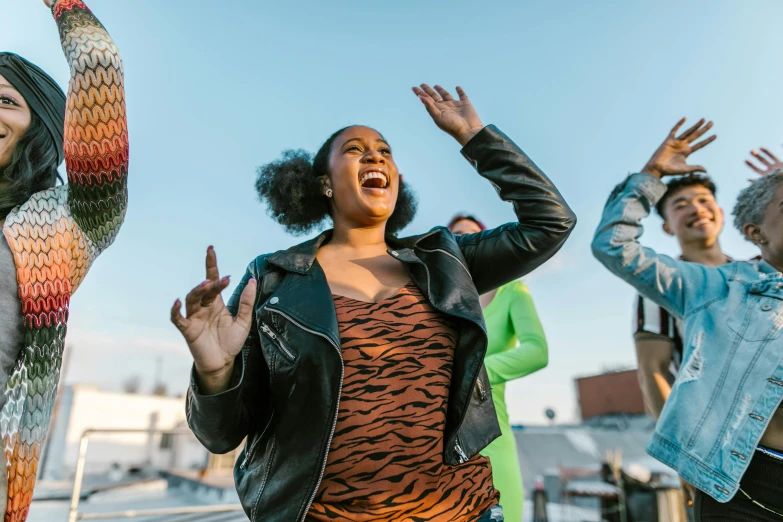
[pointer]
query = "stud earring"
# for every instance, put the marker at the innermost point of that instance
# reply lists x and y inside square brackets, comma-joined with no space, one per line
[328,193]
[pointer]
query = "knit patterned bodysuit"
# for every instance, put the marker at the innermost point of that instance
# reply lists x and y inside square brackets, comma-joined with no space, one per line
[57,234]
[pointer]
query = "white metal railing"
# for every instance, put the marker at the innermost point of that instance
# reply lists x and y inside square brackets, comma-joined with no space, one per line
[74,515]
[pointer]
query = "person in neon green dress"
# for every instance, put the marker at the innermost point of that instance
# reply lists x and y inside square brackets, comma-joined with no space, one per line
[517,347]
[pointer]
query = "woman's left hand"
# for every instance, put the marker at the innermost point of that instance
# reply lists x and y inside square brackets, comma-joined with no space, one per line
[768,163]
[457,118]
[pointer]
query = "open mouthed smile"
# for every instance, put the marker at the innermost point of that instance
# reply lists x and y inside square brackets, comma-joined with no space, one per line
[701,222]
[373,179]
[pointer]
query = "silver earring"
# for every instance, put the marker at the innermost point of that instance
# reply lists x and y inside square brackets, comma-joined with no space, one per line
[328,193]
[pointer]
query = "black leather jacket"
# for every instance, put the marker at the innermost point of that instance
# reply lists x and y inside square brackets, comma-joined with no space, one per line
[286,387]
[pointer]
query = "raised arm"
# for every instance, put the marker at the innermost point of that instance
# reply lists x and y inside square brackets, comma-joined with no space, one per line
[531,354]
[96,130]
[670,283]
[226,357]
[506,253]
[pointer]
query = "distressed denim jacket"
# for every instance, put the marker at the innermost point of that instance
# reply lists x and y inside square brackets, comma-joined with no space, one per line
[731,380]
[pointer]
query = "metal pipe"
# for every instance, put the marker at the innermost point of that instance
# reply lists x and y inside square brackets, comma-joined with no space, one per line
[92,431]
[77,480]
[133,513]
[74,514]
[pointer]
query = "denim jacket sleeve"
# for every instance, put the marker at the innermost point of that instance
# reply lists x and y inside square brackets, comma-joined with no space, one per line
[544,220]
[677,286]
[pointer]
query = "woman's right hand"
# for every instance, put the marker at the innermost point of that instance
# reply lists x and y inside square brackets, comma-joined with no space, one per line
[214,336]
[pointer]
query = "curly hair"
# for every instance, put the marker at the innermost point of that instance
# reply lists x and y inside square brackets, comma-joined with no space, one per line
[753,201]
[676,184]
[292,191]
[33,167]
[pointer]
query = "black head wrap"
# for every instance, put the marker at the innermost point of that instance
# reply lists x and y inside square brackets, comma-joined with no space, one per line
[41,93]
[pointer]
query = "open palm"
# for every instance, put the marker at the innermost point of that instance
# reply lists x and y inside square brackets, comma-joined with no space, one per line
[457,118]
[671,157]
[768,163]
[213,334]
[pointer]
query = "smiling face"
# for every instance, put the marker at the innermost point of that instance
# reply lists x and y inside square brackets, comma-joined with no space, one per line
[363,177]
[768,235]
[15,118]
[693,215]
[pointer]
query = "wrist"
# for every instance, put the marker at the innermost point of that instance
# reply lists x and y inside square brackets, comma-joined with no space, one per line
[465,137]
[214,381]
[652,171]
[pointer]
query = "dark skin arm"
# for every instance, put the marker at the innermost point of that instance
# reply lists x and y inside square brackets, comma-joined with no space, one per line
[765,162]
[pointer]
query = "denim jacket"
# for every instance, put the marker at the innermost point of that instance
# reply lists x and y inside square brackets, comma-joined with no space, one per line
[731,380]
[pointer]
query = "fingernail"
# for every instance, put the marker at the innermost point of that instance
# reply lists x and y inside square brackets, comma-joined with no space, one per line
[226,278]
[253,281]
[210,247]
[204,283]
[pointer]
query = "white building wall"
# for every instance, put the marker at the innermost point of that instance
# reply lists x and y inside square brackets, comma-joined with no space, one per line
[84,407]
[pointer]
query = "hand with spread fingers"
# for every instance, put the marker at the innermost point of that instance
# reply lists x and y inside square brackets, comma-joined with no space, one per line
[768,163]
[670,158]
[457,118]
[214,336]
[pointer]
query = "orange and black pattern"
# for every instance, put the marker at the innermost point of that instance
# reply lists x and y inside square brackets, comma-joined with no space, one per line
[385,462]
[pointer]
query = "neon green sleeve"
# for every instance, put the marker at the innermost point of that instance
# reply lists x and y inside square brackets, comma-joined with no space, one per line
[532,353]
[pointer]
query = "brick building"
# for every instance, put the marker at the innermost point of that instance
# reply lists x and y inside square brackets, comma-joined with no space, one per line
[614,393]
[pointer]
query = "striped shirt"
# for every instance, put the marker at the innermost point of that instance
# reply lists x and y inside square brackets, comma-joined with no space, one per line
[651,318]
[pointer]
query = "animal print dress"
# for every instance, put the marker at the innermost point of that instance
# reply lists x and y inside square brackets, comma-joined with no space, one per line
[385,461]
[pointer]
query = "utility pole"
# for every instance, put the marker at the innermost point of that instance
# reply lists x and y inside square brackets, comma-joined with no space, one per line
[615,461]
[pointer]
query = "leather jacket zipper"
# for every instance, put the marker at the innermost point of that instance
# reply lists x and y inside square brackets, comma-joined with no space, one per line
[336,409]
[454,439]
[483,394]
[455,258]
[462,457]
[278,342]
[252,449]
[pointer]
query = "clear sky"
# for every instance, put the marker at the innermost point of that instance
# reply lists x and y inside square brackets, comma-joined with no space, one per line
[587,89]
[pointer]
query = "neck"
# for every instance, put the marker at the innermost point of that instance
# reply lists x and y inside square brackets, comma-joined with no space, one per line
[776,262]
[359,238]
[710,255]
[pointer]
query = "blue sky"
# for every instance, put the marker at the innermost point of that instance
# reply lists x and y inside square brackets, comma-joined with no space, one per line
[587,89]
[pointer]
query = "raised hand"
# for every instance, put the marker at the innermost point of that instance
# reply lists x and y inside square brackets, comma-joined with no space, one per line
[457,118]
[214,336]
[768,162]
[670,158]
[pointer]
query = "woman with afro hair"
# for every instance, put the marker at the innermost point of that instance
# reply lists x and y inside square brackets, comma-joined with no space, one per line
[352,364]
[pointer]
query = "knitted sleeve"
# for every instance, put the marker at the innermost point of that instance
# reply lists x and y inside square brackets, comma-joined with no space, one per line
[96,130]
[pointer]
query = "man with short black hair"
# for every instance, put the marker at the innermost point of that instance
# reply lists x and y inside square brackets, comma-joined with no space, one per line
[690,213]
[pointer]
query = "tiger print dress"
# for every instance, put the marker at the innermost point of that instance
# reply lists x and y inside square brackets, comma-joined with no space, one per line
[385,461]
